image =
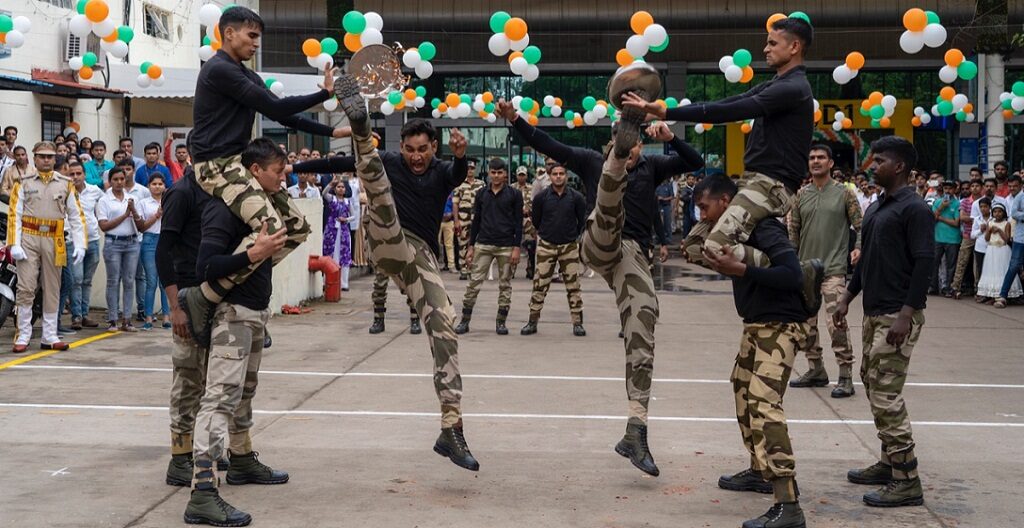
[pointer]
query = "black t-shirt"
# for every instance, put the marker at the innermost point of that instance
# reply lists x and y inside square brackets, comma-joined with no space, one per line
[783,113]
[771,295]
[222,233]
[183,207]
[497,218]
[228,96]
[559,219]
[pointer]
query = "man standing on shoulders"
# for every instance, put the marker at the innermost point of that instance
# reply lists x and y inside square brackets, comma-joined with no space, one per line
[560,214]
[496,234]
[819,227]
[462,202]
[898,250]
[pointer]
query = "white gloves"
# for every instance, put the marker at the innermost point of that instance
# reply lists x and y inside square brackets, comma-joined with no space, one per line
[17,253]
[78,255]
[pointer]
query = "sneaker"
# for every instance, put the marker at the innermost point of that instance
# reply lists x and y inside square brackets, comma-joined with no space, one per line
[147,327]
[746,480]
[198,314]
[64,330]
[76,323]
[452,444]
[780,515]
[875,474]
[247,469]
[814,275]
[377,326]
[167,325]
[207,507]
[128,327]
[896,493]
[529,328]
[89,323]
[112,326]
[634,447]
[179,470]
[346,89]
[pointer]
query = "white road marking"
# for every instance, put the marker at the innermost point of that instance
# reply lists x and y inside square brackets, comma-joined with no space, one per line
[512,416]
[488,376]
[61,471]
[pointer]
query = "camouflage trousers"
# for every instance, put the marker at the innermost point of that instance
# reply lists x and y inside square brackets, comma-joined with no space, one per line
[228,180]
[759,197]
[963,264]
[624,266]
[759,380]
[379,295]
[232,374]
[462,235]
[883,370]
[483,255]
[410,262]
[566,257]
[831,291]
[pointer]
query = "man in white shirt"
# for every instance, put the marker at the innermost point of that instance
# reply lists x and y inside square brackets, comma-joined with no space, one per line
[305,188]
[82,273]
[990,193]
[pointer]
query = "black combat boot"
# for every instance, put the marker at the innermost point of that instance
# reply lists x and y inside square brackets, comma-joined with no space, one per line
[529,328]
[247,469]
[781,515]
[452,444]
[814,377]
[267,340]
[463,325]
[634,447]
[378,322]
[905,487]
[179,470]
[414,326]
[878,473]
[499,323]
[206,507]
[844,387]
[746,480]
[578,330]
[346,89]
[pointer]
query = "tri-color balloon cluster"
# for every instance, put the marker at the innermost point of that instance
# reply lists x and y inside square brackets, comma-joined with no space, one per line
[209,16]
[362,29]
[93,16]
[418,59]
[511,34]
[880,108]
[950,103]
[1012,102]
[957,67]
[402,99]
[849,69]
[736,67]
[320,53]
[923,28]
[647,36]
[13,30]
[150,74]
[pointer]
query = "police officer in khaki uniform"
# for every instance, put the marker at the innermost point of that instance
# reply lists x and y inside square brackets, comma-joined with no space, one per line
[40,204]
[463,198]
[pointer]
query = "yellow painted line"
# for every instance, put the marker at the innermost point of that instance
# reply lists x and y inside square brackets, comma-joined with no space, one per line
[45,353]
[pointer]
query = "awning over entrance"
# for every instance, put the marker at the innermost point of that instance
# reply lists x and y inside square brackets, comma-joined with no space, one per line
[180,83]
[43,83]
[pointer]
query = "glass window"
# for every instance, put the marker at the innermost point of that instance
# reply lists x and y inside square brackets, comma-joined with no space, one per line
[54,119]
[157,22]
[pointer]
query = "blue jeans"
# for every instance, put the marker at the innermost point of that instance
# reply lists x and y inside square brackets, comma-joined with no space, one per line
[666,220]
[69,275]
[140,285]
[148,257]
[1016,260]
[82,287]
[121,258]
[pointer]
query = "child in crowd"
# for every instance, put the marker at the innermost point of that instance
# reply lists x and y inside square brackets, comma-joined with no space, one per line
[998,236]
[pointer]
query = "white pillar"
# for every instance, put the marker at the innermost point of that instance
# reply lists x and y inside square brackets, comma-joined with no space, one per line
[994,123]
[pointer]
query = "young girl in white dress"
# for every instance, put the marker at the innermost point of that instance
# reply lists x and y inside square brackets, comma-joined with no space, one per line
[997,256]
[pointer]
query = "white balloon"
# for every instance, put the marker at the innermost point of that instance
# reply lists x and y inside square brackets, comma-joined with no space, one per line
[143,80]
[387,108]
[837,125]
[970,117]
[589,118]
[516,101]
[424,69]
[159,81]
[959,101]
[80,26]
[725,62]
[499,44]
[211,31]
[465,109]
[309,60]
[911,42]
[22,24]
[840,116]
[637,46]
[655,35]
[918,111]
[331,104]
[935,109]
[104,45]
[436,113]
[371,36]
[532,73]
[842,74]
[419,102]
[854,76]
[521,44]
[817,105]
[570,125]
[374,20]
[75,63]
[478,105]
[15,38]
[556,111]
[926,118]
[600,111]
[519,65]
[934,35]
[206,53]
[209,14]
[889,102]
[411,58]
[733,73]
[491,118]
[685,101]
[699,128]
[324,61]
[277,88]
[1004,96]
[118,48]
[1017,104]
[948,74]
[102,29]
[549,100]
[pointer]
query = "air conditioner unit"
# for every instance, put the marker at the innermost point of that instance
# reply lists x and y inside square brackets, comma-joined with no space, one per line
[75,47]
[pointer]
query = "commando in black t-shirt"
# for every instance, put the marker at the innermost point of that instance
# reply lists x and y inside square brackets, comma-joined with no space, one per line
[222,233]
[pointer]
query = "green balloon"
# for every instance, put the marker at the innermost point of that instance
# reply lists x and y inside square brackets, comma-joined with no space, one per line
[1008,104]
[354,22]
[125,34]
[546,111]
[427,50]
[527,104]
[933,18]
[864,112]
[489,107]
[639,59]
[742,58]
[671,102]
[206,41]
[875,124]
[143,68]
[532,54]
[229,6]
[395,97]
[1018,88]
[961,116]
[89,59]
[569,115]
[613,118]
[6,23]
[435,102]
[945,108]
[498,20]
[465,98]
[967,70]
[939,99]
[421,91]
[589,103]
[801,15]
[877,112]
[662,47]
[80,7]
[269,81]
[329,46]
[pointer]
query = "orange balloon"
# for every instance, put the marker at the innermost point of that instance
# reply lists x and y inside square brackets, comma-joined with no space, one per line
[855,60]
[968,108]
[400,105]
[452,99]
[154,72]
[512,56]
[75,125]
[623,57]
[515,29]
[96,11]
[482,114]
[442,108]
[311,47]
[488,97]
[708,126]
[915,19]
[112,37]
[847,122]
[639,21]
[216,33]
[746,128]
[85,73]
[558,101]
[875,98]
[215,45]
[410,94]
[3,38]
[533,120]
[662,103]
[602,102]
[866,105]
[885,122]
[577,120]
[954,57]
[748,75]
[536,109]
[916,121]
[817,116]
[376,142]
[1007,113]
[352,42]
[947,93]
[773,19]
